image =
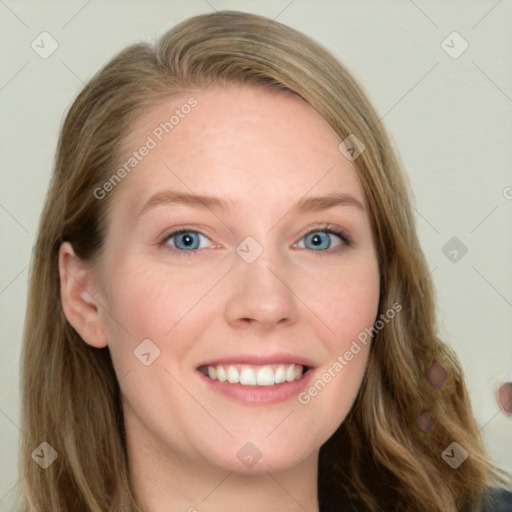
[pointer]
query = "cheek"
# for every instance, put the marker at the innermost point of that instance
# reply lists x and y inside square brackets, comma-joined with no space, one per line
[347,304]
[163,293]
[333,393]
[346,300]
[148,302]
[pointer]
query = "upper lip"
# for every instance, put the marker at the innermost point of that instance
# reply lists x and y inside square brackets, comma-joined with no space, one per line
[260,360]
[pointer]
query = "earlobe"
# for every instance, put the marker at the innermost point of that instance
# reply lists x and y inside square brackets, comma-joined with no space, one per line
[77,293]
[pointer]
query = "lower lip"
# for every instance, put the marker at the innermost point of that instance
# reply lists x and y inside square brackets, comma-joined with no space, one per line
[259,394]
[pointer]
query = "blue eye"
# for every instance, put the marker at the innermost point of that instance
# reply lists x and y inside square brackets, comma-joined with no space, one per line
[321,240]
[186,242]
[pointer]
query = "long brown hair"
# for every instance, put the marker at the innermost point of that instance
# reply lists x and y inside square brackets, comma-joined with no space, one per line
[379,458]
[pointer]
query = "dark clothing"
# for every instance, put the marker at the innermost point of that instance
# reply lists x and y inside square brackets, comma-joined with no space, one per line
[497,500]
[493,500]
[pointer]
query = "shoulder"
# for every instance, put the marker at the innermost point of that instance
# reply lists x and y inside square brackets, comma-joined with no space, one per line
[496,500]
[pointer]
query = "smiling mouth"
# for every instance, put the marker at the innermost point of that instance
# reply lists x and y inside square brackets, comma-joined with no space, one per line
[254,375]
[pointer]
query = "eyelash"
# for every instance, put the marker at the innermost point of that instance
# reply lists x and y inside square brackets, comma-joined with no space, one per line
[323,228]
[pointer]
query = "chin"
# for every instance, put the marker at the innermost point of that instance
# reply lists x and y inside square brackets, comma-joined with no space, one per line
[259,457]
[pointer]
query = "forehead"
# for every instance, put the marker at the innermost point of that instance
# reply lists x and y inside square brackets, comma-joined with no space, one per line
[249,142]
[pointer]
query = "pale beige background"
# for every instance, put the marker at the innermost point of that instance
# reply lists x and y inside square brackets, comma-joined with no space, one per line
[450,118]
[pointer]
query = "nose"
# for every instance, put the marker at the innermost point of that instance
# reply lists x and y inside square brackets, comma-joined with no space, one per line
[261,294]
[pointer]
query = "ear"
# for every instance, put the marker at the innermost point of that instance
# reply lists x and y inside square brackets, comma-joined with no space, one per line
[77,293]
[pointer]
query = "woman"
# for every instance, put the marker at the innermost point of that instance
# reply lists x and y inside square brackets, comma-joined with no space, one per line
[229,306]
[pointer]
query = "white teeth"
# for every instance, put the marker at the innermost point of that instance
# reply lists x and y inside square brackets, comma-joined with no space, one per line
[221,373]
[233,375]
[265,376]
[290,373]
[280,375]
[249,375]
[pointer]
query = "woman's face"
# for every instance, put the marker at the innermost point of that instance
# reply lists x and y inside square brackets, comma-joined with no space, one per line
[255,282]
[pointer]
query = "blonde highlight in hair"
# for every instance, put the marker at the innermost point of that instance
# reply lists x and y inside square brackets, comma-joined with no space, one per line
[378,459]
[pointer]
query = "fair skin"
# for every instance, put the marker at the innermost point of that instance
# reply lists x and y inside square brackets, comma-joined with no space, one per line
[262,151]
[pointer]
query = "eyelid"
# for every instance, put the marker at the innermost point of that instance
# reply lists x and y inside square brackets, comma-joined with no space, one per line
[184,229]
[330,228]
[316,227]
[197,228]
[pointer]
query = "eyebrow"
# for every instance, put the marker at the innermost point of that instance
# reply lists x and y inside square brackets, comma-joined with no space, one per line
[306,204]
